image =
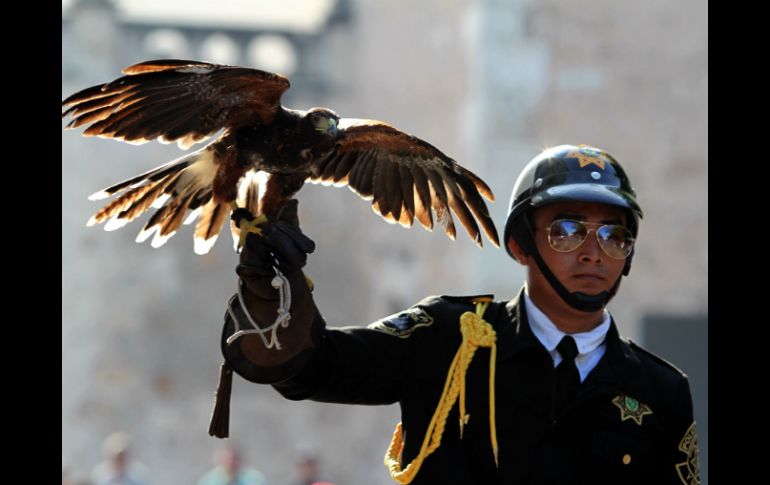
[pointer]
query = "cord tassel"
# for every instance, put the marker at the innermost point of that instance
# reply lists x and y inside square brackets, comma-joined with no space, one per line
[492,423]
[220,416]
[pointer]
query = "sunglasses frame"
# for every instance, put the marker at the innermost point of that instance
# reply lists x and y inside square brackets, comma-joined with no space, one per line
[595,227]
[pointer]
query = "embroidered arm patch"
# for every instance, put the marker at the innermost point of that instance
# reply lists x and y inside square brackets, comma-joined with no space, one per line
[402,324]
[689,470]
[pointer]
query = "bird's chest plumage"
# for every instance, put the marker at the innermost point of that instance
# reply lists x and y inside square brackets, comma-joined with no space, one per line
[279,148]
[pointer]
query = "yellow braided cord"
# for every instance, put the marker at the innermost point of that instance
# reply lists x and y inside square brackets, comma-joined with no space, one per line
[432,438]
[476,333]
[492,425]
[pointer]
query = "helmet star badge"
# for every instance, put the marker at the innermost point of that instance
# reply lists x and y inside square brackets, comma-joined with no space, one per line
[587,155]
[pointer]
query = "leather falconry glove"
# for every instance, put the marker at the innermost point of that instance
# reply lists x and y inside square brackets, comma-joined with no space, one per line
[279,346]
[284,247]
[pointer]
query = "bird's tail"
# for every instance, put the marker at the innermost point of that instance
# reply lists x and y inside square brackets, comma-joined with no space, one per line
[179,186]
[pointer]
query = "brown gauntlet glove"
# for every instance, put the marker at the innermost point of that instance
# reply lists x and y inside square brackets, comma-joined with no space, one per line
[260,340]
[282,247]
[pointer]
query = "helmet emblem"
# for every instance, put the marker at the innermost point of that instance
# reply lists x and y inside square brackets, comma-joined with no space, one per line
[587,155]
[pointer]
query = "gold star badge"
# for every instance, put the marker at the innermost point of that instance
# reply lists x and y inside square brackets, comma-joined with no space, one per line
[587,155]
[630,408]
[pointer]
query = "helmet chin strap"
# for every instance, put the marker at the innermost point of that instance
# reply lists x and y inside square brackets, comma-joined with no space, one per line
[577,300]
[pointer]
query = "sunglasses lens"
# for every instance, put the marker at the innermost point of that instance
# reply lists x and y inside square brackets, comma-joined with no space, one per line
[616,241]
[565,235]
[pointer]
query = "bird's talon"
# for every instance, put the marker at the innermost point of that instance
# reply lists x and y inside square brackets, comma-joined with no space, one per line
[251,226]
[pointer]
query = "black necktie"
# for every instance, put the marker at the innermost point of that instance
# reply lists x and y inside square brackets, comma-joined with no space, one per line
[567,375]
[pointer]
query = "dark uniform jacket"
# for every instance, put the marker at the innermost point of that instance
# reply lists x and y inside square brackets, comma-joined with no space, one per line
[630,422]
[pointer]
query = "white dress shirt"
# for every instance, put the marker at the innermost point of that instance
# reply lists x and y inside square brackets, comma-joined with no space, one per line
[591,345]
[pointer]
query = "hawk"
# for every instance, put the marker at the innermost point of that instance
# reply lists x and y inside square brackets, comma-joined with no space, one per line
[262,155]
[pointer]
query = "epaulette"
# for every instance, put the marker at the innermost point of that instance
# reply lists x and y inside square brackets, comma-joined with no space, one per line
[656,358]
[469,299]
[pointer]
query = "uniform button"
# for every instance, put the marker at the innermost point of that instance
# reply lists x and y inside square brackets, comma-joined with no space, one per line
[626,459]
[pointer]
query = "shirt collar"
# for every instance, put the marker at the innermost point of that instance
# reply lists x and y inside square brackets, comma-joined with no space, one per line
[550,336]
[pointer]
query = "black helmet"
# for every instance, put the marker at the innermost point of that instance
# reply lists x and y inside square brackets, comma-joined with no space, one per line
[568,173]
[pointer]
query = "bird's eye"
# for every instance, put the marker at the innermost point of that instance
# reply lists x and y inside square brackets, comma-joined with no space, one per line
[320,122]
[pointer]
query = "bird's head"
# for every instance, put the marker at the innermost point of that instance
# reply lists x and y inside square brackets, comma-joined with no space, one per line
[323,120]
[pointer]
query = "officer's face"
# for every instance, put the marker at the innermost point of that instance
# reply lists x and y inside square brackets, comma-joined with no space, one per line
[587,269]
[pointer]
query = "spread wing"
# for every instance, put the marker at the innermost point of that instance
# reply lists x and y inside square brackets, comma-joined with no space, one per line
[405,177]
[175,100]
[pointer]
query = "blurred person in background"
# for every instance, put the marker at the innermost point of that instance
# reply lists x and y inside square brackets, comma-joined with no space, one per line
[540,389]
[307,468]
[118,468]
[230,471]
[308,472]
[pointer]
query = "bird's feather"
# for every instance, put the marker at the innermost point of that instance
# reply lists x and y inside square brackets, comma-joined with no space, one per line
[212,219]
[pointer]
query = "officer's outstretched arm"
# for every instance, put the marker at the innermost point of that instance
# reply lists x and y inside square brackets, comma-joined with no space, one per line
[268,331]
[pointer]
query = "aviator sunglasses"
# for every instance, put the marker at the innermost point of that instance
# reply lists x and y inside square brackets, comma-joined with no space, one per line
[565,235]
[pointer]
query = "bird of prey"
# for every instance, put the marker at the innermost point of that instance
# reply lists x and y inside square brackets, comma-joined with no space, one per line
[261,143]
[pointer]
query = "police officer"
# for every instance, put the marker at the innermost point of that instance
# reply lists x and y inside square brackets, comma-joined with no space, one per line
[540,389]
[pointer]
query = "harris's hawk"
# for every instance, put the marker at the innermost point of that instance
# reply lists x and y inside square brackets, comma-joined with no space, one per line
[189,101]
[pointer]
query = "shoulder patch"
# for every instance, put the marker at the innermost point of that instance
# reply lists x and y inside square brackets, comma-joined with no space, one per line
[402,324]
[656,358]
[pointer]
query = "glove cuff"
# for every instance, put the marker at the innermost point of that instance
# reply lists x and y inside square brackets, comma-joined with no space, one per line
[266,372]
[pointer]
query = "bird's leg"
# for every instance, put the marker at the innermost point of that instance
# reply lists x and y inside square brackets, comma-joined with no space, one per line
[279,190]
[246,223]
